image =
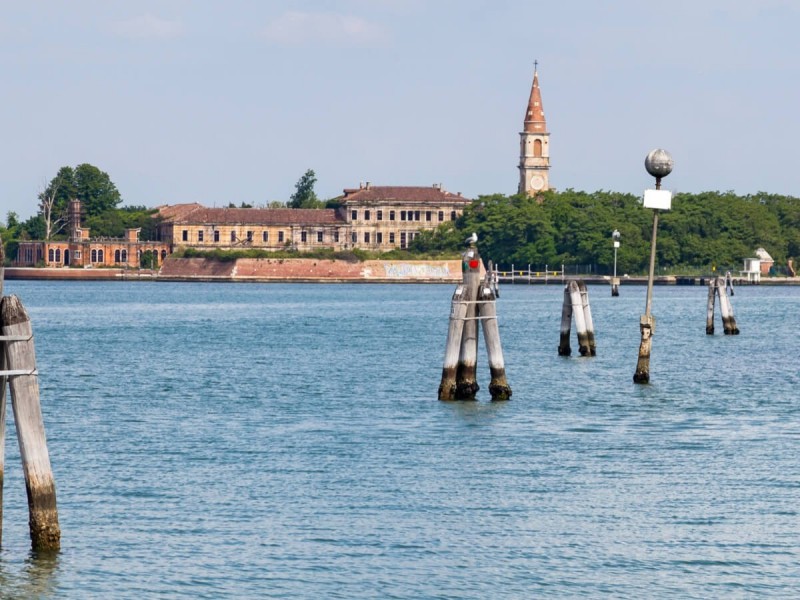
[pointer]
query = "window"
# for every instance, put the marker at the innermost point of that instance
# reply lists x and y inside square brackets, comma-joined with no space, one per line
[354,237]
[391,215]
[233,236]
[379,237]
[441,215]
[303,237]
[402,215]
[452,215]
[200,236]
[280,237]
[354,215]
[249,236]
[320,237]
[336,236]
[416,215]
[379,215]
[403,239]
[366,237]
[93,258]
[216,235]
[124,256]
[537,148]
[185,235]
[100,257]
[51,255]
[77,254]
[265,236]
[391,237]
[116,256]
[366,215]
[428,215]
[58,255]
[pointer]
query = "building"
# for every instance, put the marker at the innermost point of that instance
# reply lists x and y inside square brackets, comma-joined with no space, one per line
[534,147]
[387,217]
[377,218]
[80,250]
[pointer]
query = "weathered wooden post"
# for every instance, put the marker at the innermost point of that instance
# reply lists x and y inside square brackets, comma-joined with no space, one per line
[564,348]
[587,317]
[614,280]
[580,319]
[712,291]
[458,310]
[487,310]
[659,164]
[466,373]
[729,283]
[726,310]
[2,396]
[23,378]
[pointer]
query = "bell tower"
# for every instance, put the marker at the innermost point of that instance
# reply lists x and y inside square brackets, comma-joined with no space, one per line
[534,147]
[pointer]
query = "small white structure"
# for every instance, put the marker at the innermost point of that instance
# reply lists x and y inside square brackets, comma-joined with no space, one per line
[752,269]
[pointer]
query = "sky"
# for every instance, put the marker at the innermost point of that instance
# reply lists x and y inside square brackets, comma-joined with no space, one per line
[217,102]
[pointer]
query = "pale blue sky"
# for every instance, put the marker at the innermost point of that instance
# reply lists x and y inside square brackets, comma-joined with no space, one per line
[217,102]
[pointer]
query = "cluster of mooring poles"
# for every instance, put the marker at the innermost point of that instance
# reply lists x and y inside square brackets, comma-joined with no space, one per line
[473,300]
[576,304]
[719,287]
[18,368]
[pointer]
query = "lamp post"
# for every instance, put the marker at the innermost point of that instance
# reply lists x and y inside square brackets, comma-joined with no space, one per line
[614,280]
[659,164]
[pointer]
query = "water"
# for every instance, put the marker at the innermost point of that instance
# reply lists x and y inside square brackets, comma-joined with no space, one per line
[285,441]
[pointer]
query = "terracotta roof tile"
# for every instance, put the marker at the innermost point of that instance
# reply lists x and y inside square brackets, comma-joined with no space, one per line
[260,216]
[405,194]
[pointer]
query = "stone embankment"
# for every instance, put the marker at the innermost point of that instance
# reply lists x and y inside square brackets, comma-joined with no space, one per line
[265,270]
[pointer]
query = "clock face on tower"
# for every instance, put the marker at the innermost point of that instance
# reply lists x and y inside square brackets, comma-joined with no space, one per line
[537,182]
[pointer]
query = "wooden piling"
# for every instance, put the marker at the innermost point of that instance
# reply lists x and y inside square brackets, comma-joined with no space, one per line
[587,316]
[615,286]
[726,309]
[712,291]
[466,372]
[458,311]
[580,320]
[487,310]
[2,396]
[647,325]
[21,360]
[566,324]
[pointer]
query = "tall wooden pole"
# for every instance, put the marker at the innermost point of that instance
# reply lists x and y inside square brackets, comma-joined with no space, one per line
[2,396]
[712,292]
[466,373]
[24,383]
[458,310]
[580,319]
[647,322]
[564,348]
[487,310]
[726,309]
[587,317]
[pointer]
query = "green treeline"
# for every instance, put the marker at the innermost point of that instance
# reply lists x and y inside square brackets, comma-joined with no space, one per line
[701,232]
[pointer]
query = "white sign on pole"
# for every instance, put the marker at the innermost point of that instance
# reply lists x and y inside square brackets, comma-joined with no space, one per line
[660,199]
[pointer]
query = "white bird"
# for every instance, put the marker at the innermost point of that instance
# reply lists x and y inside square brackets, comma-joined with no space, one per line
[471,239]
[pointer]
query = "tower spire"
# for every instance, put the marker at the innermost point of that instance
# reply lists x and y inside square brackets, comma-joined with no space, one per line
[534,156]
[534,116]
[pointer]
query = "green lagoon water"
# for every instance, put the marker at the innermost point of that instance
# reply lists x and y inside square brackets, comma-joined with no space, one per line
[285,441]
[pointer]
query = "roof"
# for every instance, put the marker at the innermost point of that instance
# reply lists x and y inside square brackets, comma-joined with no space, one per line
[764,255]
[258,216]
[169,212]
[434,194]
[534,115]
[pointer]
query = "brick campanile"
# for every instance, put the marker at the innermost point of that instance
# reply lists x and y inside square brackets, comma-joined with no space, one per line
[534,148]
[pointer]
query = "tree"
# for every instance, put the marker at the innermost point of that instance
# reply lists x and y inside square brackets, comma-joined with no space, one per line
[304,195]
[54,200]
[95,190]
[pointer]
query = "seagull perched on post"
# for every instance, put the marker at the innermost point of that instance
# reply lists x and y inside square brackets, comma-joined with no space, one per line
[471,239]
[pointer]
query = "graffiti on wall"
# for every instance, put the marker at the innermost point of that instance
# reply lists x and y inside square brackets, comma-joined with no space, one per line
[417,271]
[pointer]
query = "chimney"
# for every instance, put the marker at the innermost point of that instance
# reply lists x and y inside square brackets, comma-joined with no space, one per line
[367,185]
[361,185]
